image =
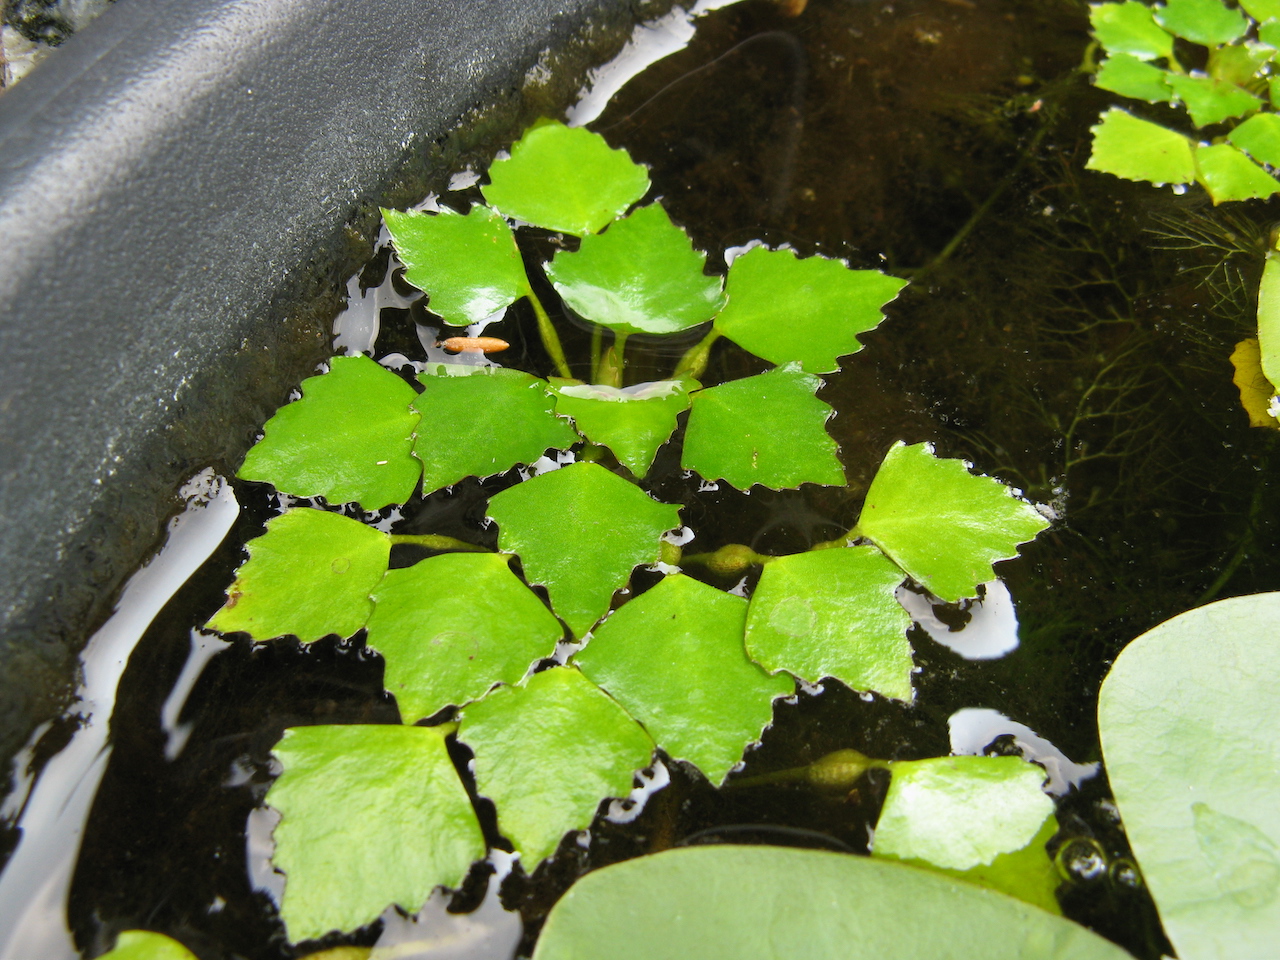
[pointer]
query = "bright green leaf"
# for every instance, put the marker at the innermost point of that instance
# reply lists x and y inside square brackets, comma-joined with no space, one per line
[767,429]
[348,438]
[566,179]
[483,423]
[452,626]
[1229,175]
[633,422]
[762,903]
[468,264]
[547,753]
[673,657]
[940,523]
[642,275]
[1269,318]
[145,945]
[1259,136]
[581,530]
[1262,10]
[1130,28]
[1269,33]
[1212,101]
[308,576]
[1128,76]
[1188,718]
[1239,64]
[370,816]
[832,613]
[984,819]
[782,308]
[1209,22]
[1135,149]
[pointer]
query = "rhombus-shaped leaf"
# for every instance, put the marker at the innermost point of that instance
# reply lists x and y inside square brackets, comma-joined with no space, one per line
[1130,28]
[547,752]
[674,658]
[768,429]
[812,311]
[468,264]
[633,421]
[1134,149]
[308,576]
[580,530]
[940,523]
[348,439]
[482,423]
[371,816]
[452,626]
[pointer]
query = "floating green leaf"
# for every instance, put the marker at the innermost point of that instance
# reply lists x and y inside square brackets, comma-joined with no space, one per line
[1240,64]
[1208,22]
[761,903]
[982,819]
[483,423]
[1259,136]
[1212,101]
[348,438]
[580,530]
[308,576]
[642,275]
[1134,149]
[468,264]
[1130,28]
[832,613]
[1229,175]
[1269,318]
[371,816]
[1129,76]
[633,422]
[673,657]
[566,179]
[767,429]
[1188,718]
[812,310]
[940,523]
[1262,10]
[547,753]
[145,945]
[1269,34]
[452,626]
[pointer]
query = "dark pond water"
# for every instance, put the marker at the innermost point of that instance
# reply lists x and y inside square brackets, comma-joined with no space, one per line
[1065,331]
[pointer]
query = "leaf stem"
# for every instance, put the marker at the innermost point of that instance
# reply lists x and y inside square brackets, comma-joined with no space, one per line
[597,339]
[837,771]
[694,362]
[435,541]
[611,366]
[550,339]
[855,533]
[730,560]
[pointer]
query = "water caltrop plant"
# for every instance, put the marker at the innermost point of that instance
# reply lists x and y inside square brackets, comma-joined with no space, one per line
[562,701]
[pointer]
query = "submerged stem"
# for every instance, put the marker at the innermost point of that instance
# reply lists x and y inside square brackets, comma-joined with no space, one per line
[550,339]
[597,340]
[611,365]
[694,362]
[435,541]
[837,771]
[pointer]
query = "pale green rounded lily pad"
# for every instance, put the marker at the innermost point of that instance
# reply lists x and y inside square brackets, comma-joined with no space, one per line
[547,752]
[452,626]
[581,530]
[370,816]
[565,178]
[812,311]
[767,429]
[309,575]
[674,658]
[833,613]
[1130,28]
[1229,175]
[762,903]
[483,423]
[1188,718]
[1209,22]
[642,275]
[940,523]
[632,421]
[981,819]
[145,945]
[467,264]
[1134,149]
[348,439]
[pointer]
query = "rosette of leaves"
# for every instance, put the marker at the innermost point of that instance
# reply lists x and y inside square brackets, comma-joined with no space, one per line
[1231,142]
